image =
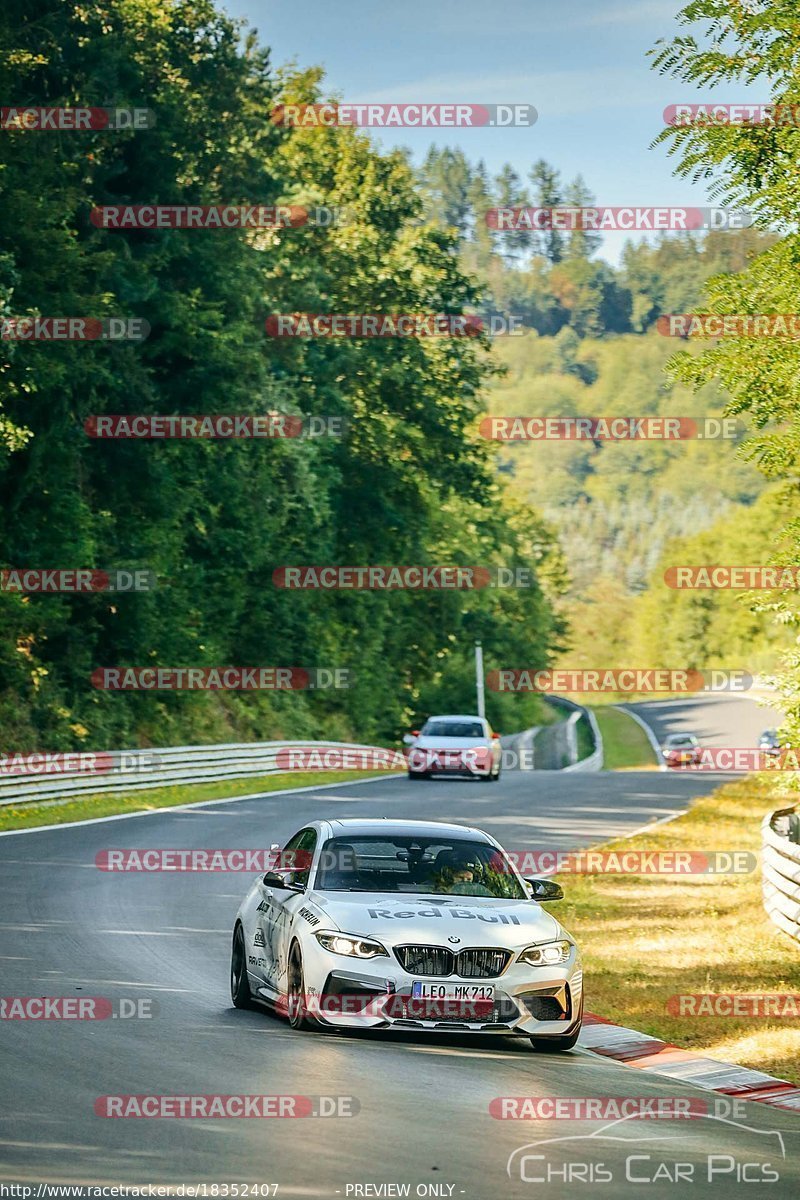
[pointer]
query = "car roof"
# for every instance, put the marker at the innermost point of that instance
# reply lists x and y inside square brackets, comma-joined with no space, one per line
[366,827]
[456,717]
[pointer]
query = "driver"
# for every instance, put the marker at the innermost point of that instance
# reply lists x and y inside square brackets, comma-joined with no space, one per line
[458,874]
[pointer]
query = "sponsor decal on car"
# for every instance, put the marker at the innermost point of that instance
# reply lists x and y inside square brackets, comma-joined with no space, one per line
[459,913]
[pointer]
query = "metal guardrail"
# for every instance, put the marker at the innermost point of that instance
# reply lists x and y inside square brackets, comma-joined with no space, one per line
[135,770]
[780,871]
[593,761]
[132,770]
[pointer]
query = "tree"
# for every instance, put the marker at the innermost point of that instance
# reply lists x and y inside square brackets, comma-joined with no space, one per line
[509,193]
[548,194]
[580,242]
[445,177]
[754,166]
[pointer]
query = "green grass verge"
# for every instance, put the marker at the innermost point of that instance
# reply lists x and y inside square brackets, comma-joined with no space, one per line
[646,938]
[585,738]
[107,804]
[625,744]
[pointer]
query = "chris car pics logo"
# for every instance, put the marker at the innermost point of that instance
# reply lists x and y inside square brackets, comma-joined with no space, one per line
[629,1151]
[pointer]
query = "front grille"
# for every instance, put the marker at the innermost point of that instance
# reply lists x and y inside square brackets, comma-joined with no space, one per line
[481,964]
[425,960]
[473,963]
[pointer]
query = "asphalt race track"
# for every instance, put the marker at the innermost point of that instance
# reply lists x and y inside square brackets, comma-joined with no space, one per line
[724,719]
[69,929]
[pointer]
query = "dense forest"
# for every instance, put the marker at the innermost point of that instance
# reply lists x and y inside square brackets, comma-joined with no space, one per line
[623,511]
[409,479]
[213,519]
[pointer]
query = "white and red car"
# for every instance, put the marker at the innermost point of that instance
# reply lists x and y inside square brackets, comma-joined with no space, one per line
[406,925]
[454,745]
[681,750]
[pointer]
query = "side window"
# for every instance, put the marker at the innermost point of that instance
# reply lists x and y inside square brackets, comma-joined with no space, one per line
[296,856]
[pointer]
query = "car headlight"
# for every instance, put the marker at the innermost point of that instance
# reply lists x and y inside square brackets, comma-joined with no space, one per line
[349,944]
[546,955]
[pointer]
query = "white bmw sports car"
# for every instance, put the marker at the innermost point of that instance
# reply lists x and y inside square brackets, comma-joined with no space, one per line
[406,924]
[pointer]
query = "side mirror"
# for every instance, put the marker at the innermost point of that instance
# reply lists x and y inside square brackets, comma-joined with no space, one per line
[545,889]
[276,880]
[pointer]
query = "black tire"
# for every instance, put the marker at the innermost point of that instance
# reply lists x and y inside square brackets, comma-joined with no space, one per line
[565,1041]
[418,775]
[495,778]
[296,1008]
[240,985]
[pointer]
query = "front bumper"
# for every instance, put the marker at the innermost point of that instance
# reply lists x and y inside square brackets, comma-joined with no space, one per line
[451,762]
[531,1001]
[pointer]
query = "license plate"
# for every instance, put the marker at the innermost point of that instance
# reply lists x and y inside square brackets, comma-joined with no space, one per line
[452,991]
[445,759]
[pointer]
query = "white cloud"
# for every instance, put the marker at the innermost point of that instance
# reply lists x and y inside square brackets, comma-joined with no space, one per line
[553,93]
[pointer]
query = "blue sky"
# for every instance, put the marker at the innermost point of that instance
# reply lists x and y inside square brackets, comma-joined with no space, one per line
[582,64]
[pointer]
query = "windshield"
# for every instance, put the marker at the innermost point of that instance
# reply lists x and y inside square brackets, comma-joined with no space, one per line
[455,729]
[422,866]
[679,740]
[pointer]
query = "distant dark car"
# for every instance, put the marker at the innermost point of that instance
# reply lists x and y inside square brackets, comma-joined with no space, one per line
[681,749]
[769,742]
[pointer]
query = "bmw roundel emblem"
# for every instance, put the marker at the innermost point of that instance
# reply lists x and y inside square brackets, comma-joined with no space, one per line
[454,940]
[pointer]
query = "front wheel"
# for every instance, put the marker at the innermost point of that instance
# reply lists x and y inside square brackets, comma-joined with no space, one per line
[418,775]
[240,986]
[297,1010]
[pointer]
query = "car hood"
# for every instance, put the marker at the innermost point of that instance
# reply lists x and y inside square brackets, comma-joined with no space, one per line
[432,920]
